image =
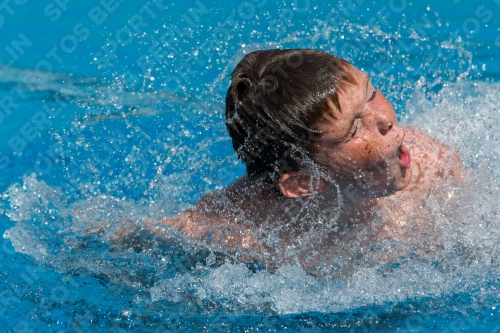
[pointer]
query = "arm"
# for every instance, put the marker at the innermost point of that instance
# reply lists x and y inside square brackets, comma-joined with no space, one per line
[186,221]
[127,229]
[207,228]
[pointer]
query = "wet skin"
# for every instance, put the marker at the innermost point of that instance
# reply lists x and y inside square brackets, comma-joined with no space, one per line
[381,170]
[363,146]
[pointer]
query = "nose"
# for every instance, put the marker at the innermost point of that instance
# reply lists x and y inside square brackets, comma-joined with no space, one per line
[384,125]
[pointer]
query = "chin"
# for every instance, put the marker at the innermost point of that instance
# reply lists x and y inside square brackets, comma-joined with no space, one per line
[378,193]
[377,190]
[404,180]
[400,182]
[375,186]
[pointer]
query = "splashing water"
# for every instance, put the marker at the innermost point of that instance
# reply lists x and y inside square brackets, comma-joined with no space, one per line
[160,162]
[54,231]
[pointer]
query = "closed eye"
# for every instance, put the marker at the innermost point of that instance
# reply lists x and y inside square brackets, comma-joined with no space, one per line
[355,129]
[373,95]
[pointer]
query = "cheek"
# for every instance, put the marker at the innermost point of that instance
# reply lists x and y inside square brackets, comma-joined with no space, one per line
[363,153]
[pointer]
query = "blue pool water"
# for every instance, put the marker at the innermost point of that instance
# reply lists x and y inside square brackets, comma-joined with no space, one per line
[113,110]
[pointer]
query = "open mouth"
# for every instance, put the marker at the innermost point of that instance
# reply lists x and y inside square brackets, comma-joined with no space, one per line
[404,157]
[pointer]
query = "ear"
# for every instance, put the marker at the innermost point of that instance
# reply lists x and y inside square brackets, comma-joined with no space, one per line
[297,183]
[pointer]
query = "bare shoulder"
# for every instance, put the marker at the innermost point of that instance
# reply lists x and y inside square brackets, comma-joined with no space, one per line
[432,161]
[433,165]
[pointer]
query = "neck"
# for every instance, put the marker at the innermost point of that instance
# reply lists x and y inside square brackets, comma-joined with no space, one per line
[267,206]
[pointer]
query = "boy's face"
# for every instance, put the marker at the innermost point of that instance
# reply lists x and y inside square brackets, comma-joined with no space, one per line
[363,145]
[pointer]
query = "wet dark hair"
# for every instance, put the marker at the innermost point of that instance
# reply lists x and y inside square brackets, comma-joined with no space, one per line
[274,100]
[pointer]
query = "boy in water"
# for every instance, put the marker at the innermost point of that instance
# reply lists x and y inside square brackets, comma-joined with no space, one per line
[329,170]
